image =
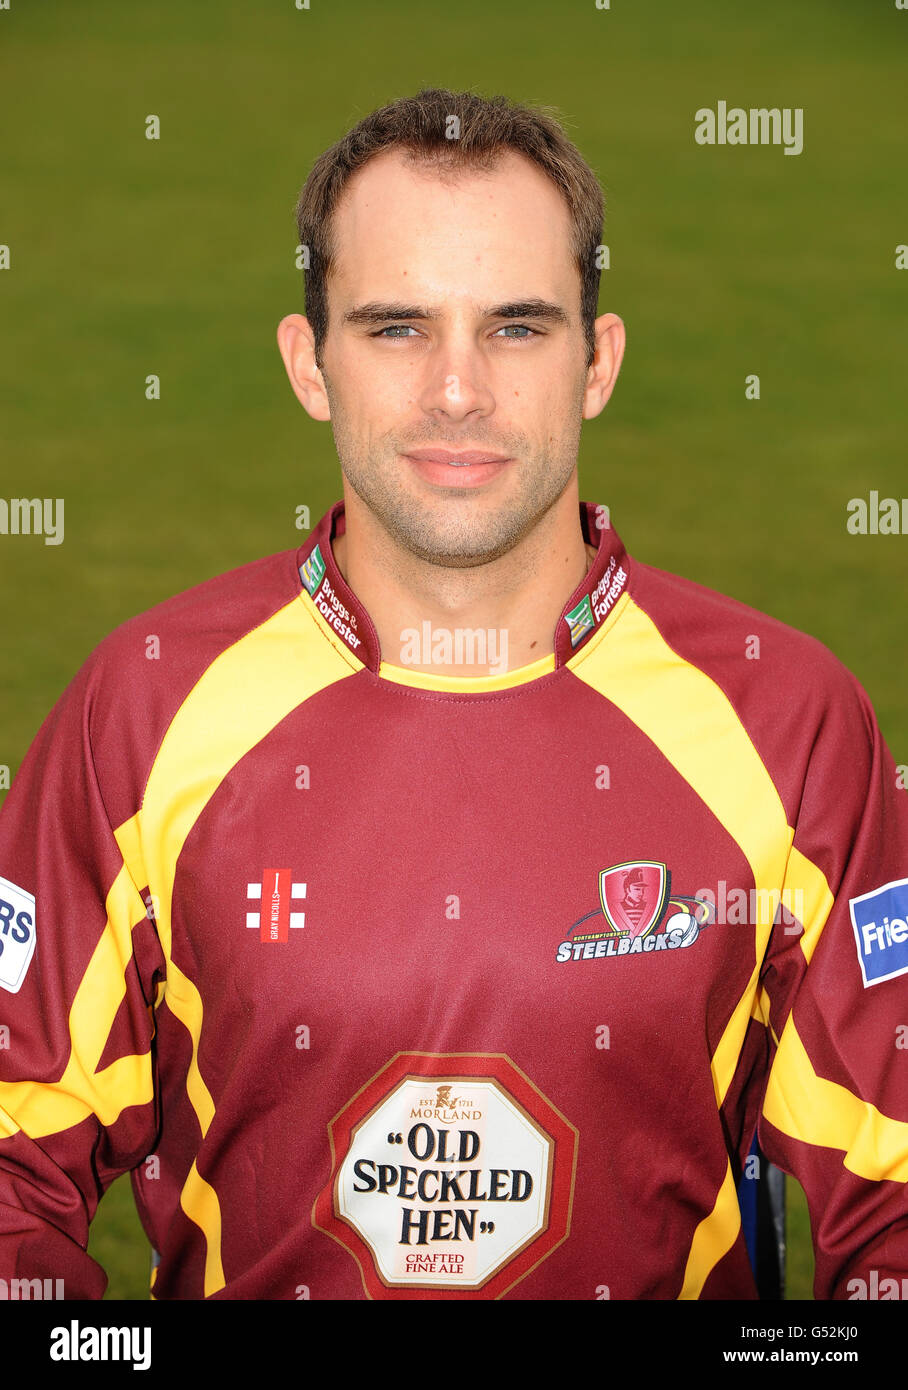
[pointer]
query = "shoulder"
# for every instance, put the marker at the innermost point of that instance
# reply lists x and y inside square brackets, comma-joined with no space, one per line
[186,632]
[729,639]
[787,688]
[128,691]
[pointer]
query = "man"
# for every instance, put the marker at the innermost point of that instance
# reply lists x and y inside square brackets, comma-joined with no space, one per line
[394,969]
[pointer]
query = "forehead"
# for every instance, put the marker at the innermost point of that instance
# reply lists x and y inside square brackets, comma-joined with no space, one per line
[401,225]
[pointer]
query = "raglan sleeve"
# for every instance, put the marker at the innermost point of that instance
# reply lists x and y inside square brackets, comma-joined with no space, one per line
[79,963]
[835,986]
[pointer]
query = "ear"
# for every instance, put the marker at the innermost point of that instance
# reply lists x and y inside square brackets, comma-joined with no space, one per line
[603,373]
[297,346]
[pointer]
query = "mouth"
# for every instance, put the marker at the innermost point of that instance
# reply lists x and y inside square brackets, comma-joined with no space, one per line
[457,458]
[457,468]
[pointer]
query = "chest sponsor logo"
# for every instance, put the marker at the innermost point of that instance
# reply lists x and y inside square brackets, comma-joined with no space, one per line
[275,905]
[637,914]
[17,934]
[880,922]
[452,1177]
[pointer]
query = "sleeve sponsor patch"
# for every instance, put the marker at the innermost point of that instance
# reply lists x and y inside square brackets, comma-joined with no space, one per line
[880,921]
[17,934]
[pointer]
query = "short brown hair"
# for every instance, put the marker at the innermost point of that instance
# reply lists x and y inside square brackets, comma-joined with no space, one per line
[488,128]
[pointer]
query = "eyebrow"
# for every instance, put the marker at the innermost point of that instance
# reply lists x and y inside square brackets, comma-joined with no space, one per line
[377,312]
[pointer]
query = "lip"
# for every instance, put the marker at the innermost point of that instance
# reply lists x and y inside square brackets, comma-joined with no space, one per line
[457,470]
[455,456]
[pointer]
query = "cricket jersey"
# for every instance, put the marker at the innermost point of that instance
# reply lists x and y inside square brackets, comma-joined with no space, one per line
[389,984]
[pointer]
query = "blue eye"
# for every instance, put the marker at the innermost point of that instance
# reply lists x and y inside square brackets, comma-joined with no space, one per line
[394,329]
[520,327]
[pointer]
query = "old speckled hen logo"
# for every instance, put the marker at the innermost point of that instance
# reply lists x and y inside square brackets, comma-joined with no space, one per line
[452,1176]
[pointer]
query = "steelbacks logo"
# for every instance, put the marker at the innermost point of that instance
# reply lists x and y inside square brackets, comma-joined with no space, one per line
[452,1177]
[636,900]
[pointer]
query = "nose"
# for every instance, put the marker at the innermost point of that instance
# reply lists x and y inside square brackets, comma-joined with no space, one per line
[457,383]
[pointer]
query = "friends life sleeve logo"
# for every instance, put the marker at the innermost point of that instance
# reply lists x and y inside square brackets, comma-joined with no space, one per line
[641,915]
[17,934]
[880,922]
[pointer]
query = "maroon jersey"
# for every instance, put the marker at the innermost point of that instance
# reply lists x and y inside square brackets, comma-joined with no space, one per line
[389,984]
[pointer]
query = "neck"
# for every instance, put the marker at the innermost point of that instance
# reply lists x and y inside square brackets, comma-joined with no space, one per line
[514,600]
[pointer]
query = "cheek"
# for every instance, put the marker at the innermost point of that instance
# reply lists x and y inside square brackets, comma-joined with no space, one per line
[377,390]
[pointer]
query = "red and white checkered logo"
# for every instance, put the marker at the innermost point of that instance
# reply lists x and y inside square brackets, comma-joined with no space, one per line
[277,895]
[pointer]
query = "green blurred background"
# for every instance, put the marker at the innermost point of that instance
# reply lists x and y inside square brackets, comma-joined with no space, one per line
[175,257]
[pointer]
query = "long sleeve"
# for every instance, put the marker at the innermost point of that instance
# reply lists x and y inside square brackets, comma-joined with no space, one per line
[835,1113]
[79,965]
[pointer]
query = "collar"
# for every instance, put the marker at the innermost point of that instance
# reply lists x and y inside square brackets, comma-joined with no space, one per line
[582,615]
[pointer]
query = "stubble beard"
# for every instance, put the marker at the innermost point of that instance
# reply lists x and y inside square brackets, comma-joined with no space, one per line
[459,529]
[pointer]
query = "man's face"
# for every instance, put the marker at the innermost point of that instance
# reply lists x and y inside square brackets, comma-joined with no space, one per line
[454,324]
